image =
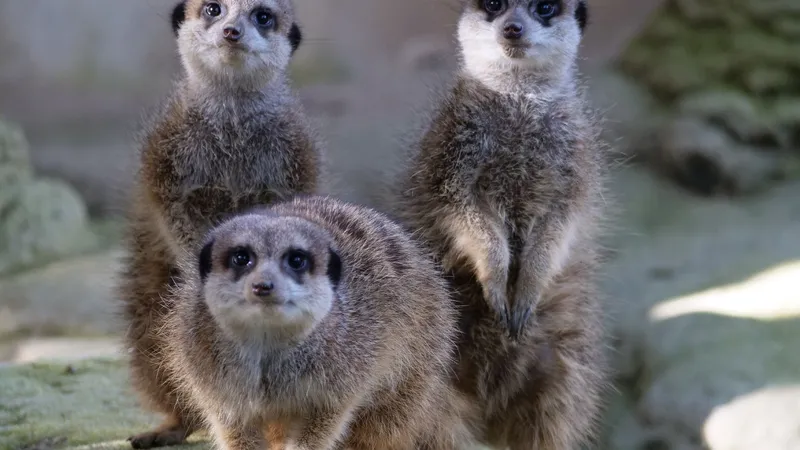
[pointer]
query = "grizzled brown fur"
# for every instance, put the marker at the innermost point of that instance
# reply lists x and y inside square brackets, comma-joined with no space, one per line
[371,372]
[506,188]
[227,140]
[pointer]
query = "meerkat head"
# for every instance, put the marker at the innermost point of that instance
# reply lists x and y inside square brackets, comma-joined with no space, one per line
[236,42]
[268,278]
[540,36]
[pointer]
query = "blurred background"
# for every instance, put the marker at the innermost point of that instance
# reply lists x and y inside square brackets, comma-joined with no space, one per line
[701,101]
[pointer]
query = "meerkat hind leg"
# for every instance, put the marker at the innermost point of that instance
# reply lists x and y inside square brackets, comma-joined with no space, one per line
[171,432]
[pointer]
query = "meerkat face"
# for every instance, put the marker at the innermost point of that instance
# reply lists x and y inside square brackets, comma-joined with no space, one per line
[269,278]
[239,41]
[535,34]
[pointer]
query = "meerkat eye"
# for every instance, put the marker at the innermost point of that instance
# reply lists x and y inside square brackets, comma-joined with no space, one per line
[297,260]
[546,8]
[240,257]
[212,9]
[264,18]
[493,6]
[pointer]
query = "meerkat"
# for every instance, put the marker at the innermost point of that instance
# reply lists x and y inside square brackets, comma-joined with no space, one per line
[318,324]
[231,136]
[505,186]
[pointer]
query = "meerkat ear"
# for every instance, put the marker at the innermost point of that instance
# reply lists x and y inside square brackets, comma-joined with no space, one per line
[295,37]
[178,16]
[582,15]
[205,260]
[334,267]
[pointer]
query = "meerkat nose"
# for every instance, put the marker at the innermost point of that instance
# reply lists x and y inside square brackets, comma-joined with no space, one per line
[263,288]
[232,34]
[512,30]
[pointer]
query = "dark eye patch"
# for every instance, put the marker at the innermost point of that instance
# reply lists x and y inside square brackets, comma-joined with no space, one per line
[204,267]
[178,16]
[295,37]
[334,268]
[582,15]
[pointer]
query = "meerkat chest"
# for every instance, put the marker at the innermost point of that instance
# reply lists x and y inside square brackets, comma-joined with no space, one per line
[234,158]
[523,154]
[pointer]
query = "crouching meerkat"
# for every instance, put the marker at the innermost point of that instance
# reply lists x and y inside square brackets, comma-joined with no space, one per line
[231,136]
[506,187]
[316,324]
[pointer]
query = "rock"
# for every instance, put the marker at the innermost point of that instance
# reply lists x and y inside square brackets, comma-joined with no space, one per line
[40,219]
[46,220]
[786,26]
[64,349]
[787,115]
[708,349]
[779,403]
[73,297]
[767,80]
[13,146]
[77,405]
[677,75]
[698,12]
[704,348]
[703,158]
[734,111]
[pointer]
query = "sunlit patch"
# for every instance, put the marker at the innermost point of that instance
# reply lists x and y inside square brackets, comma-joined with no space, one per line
[769,295]
[764,418]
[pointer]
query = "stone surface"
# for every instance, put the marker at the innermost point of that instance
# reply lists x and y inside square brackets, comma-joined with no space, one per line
[64,349]
[40,218]
[70,297]
[80,405]
[702,157]
[705,316]
[47,219]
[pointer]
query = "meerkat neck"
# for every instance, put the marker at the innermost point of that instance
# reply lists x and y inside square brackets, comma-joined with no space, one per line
[524,81]
[217,97]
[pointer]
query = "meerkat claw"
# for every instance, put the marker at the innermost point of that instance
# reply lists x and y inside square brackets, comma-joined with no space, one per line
[517,321]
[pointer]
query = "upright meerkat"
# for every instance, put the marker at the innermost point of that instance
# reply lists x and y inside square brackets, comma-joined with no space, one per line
[231,136]
[319,324]
[506,187]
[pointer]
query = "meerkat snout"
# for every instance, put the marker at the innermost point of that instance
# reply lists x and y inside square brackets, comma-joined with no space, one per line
[262,288]
[513,29]
[232,33]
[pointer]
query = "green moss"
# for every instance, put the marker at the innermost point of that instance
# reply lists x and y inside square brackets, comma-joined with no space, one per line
[767,80]
[756,47]
[86,403]
[787,26]
[322,69]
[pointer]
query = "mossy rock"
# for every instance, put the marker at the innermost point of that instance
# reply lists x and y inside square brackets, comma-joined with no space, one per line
[787,26]
[13,146]
[786,114]
[735,112]
[12,179]
[45,220]
[86,404]
[765,80]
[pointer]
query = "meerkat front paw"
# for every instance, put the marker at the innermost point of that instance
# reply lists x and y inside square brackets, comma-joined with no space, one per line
[521,310]
[497,299]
